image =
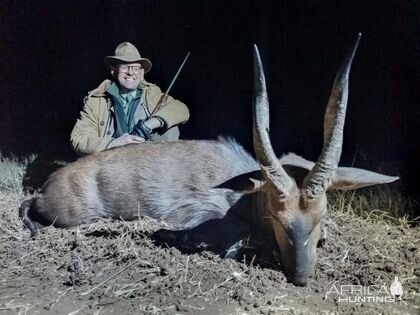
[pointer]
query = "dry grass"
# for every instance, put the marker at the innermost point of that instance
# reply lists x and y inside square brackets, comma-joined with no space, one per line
[378,203]
[114,266]
[12,170]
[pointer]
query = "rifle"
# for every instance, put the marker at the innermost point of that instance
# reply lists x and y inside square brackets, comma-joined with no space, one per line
[164,97]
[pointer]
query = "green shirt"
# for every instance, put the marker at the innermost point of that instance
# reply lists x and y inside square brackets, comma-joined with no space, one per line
[125,105]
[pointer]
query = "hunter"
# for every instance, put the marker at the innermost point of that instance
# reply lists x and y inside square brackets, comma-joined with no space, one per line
[127,108]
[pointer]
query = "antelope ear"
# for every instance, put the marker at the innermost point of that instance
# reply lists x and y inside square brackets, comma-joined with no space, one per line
[296,160]
[348,178]
[246,183]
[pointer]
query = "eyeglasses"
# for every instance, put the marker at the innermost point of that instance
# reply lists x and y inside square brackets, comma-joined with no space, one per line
[125,69]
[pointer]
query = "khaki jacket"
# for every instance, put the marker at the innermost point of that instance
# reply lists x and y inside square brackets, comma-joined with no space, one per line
[94,129]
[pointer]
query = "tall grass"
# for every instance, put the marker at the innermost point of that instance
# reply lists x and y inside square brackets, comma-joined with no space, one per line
[376,203]
[12,171]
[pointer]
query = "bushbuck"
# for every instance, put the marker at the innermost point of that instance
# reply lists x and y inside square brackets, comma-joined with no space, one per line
[187,183]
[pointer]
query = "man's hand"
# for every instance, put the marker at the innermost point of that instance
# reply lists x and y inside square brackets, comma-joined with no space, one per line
[125,139]
[142,130]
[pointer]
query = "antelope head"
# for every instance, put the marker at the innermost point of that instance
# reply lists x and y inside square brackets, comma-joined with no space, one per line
[294,189]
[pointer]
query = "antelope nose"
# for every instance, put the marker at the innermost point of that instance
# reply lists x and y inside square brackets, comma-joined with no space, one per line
[299,280]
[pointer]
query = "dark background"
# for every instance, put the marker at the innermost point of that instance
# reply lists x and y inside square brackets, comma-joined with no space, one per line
[52,55]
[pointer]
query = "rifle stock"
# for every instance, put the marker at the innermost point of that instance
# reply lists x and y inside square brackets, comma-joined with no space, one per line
[161,103]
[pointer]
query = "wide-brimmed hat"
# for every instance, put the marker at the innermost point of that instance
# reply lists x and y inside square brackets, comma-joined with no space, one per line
[128,53]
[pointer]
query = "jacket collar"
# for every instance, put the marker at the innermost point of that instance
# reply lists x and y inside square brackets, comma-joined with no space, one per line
[101,90]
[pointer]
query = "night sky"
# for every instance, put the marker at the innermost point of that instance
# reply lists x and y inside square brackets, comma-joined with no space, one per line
[52,55]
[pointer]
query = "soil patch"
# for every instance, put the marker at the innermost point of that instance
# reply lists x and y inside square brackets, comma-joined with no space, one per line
[114,267]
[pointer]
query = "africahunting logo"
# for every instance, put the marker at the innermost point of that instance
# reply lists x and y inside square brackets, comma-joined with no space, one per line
[350,293]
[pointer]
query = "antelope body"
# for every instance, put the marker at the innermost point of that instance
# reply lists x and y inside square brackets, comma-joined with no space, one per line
[187,183]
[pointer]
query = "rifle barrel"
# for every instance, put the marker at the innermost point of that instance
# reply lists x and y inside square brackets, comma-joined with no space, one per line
[176,75]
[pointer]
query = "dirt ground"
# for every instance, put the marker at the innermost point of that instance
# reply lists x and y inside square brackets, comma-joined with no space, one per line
[114,267]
